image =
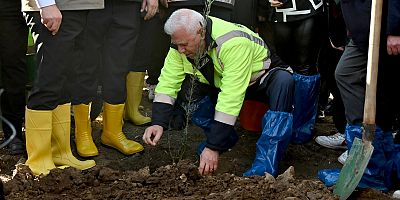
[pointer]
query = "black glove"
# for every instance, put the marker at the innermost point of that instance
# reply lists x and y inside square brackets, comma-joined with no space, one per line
[161,113]
[221,136]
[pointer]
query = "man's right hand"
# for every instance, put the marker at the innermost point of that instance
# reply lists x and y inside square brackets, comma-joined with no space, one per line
[152,134]
[51,18]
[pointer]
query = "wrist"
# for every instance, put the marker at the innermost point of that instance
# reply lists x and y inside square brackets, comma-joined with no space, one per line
[45,3]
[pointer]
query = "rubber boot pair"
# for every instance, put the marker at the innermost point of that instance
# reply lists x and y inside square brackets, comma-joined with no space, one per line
[134,90]
[112,135]
[48,140]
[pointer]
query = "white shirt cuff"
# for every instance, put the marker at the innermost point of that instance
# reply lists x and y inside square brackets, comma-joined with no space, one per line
[45,3]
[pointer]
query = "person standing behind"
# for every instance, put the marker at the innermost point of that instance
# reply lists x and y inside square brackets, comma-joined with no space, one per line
[329,57]
[111,37]
[13,46]
[351,79]
[296,27]
[58,29]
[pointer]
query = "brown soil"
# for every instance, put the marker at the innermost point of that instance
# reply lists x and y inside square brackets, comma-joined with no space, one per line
[153,174]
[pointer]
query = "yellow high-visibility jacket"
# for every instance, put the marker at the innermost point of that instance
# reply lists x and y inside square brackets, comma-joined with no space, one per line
[240,57]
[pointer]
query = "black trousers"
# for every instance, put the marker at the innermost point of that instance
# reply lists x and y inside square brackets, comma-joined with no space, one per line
[111,37]
[59,57]
[13,45]
[328,60]
[298,43]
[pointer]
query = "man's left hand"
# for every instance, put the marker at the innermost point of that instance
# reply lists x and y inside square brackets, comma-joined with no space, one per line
[393,45]
[151,8]
[208,161]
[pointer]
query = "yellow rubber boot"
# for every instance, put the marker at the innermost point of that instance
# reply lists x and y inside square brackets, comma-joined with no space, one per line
[60,140]
[83,131]
[134,90]
[38,141]
[112,130]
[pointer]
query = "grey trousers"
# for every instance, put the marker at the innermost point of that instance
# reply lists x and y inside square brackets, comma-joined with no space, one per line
[350,76]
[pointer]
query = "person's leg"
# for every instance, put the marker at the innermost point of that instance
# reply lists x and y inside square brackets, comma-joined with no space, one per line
[117,58]
[339,118]
[149,59]
[134,90]
[337,140]
[350,78]
[350,75]
[13,75]
[276,124]
[307,79]
[85,86]
[58,56]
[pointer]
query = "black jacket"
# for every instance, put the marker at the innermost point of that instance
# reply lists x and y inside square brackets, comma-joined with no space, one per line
[357,15]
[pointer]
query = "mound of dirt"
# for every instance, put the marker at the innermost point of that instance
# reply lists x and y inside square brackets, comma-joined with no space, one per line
[180,181]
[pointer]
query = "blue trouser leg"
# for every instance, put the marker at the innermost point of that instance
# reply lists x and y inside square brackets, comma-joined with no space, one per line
[203,117]
[273,142]
[378,172]
[305,106]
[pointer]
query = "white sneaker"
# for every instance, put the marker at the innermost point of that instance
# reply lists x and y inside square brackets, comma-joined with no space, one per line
[343,157]
[396,194]
[336,141]
[151,91]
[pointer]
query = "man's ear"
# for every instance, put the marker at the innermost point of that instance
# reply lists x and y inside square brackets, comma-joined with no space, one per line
[202,32]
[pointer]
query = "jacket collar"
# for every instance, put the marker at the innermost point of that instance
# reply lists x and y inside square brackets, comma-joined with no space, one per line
[210,42]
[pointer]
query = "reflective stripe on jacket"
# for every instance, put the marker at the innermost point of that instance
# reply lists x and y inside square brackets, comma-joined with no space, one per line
[240,58]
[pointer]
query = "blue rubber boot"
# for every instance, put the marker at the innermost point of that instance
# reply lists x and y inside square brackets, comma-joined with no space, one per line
[273,142]
[381,164]
[305,107]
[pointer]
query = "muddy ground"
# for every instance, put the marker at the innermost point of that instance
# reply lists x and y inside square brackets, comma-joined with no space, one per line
[157,174]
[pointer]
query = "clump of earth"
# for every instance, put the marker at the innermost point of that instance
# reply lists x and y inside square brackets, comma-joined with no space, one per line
[177,181]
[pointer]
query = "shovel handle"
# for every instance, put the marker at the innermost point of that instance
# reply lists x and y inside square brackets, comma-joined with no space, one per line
[372,64]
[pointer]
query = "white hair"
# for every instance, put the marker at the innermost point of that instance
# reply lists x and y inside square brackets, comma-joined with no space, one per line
[187,19]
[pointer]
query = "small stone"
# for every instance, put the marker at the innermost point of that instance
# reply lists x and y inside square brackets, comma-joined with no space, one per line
[268,177]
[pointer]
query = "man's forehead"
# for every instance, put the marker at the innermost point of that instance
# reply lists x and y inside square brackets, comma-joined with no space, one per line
[180,37]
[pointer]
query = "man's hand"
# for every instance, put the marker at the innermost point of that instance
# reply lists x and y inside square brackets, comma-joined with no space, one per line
[152,134]
[151,8]
[393,45]
[51,18]
[275,3]
[208,161]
